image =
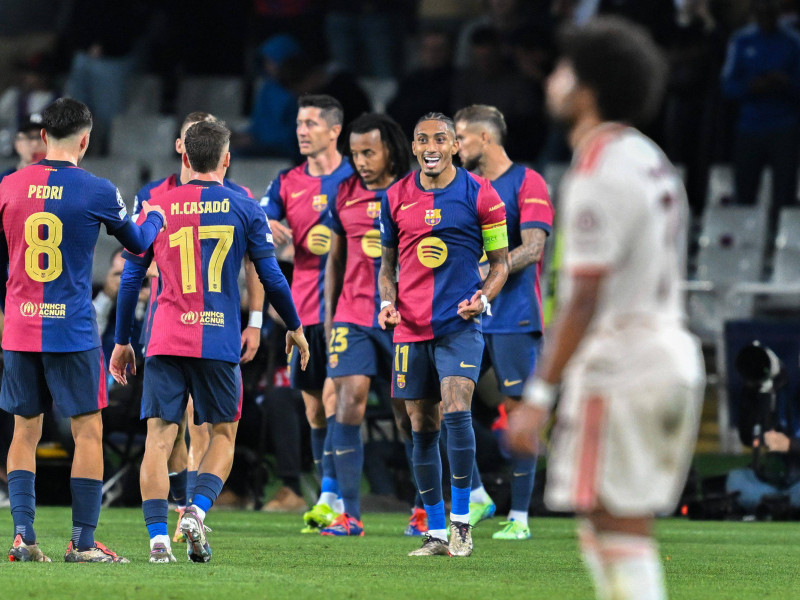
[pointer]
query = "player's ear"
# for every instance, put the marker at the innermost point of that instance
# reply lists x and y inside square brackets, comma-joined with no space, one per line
[84,140]
[179,146]
[226,160]
[336,129]
[185,160]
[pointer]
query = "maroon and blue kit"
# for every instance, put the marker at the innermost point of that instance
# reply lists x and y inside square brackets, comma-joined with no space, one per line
[195,340]
[358,346]
[51,214]
[513,333]
[440,235]
[304,201]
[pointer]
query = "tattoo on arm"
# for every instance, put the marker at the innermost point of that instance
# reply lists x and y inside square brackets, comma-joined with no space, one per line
[531,250]
[498,272]
[386,276]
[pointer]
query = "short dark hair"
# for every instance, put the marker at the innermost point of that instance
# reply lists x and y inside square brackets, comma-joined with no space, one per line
[437,116]
[198,116]
[391,135]
[489,115]
[65,117]
[330,108]
[621,63]
[205,143]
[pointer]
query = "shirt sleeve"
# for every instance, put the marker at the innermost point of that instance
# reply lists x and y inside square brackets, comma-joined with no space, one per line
[271,202]
[259,236]
[389,233]
[596,222]
[145,258]
[535,208]
[110,208]
[492,217]
[143,195]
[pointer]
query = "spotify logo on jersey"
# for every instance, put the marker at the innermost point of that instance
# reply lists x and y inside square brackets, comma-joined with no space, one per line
[432,252]
[319,240]
[371,243]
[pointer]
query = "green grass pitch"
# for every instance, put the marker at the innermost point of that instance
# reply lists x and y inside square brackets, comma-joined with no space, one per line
[257,555]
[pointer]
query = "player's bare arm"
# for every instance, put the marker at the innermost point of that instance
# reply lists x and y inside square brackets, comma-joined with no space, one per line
[389,317]
[121,358]
[281,232]
[498,273]
[297,339]
[334,278]
[566,334]
[530,252]
[251,336]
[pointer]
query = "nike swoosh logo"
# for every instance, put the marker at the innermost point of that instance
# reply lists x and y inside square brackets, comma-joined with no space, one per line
[325,453]
[340,452]
[296,194]
[508,383]
[425,491]
[520,474]
[495,207]
[466,366]
[349,202]
[462,477]
[407,206]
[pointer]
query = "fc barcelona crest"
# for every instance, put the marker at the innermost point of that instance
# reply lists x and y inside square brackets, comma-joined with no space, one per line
[373,210]
[319,202]
[433,216]
[401,380]
[333,361]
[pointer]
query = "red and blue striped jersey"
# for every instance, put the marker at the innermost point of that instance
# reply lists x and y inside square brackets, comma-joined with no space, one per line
[517,308]
[357,216]
[209,229]
[154,188]
[51,214]
[440,235]
[304,200]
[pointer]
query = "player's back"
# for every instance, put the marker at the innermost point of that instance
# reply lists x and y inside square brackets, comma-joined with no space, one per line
[51,214]
[199,256]
[625,205]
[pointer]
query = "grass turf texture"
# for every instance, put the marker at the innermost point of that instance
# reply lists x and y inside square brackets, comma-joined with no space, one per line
[260,555]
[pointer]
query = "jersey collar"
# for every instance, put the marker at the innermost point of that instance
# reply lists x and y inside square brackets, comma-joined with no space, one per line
[459,174]
[56,163]
[203,183]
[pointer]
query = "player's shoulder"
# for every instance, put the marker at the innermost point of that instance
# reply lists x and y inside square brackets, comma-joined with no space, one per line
[744,34]
[153,188]
[403,187]
[343,171]
[348,188]
[99,184]
[240,189]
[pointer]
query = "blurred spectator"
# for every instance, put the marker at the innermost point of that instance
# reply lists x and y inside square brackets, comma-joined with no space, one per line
[30,93]
[103,36]
[655,15]
[272,122]
[434,75]
[695,55]
[493,81]
[298,18]
[762,73]
[368,32]
[28,144]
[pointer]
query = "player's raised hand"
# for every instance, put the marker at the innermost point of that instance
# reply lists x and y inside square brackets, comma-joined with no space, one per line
[297,338]
[121,358]
[251,340]
[525,427]
[280,232]
[469,309]
[389,317]
[147,208]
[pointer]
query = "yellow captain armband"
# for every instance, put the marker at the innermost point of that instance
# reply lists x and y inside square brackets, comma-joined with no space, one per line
[495,236]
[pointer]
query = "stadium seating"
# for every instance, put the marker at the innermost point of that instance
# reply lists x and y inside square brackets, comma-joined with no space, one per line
[722,189]
[144,95]
[379,90]
[221,96]
[143,137]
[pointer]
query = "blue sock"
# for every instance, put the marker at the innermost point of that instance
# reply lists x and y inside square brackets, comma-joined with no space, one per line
[476,476]
[409,447]
[87,496]
[155,516]
[206,491]
[349,458]
[317,447]
[523,472]
[328,464]
[461,455]
[428,474]
[22,496]
[177,487]
[191,482]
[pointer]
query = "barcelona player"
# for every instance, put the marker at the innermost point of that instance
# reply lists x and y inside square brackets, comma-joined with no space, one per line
[302,196]
[183,465]
[513,333]
[51,214]
[436,223]
[358,349]
[633,374]
[194,345]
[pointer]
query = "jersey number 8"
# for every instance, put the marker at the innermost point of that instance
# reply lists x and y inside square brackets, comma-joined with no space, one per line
[47,246]
[184,240]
